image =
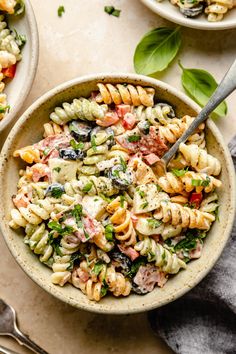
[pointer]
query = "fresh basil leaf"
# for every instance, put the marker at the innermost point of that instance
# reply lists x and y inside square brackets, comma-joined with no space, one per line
[98,268]
[110,10]
[134,138]
[153,223]
[137,263]
[87,187]
[200,85]
[72,261]
[156,50]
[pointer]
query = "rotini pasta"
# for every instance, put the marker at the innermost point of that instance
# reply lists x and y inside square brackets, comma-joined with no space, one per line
[92,205]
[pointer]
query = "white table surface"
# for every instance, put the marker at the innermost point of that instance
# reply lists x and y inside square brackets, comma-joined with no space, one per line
[86,40]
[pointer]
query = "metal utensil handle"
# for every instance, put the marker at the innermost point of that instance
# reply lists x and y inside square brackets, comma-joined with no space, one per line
[4,350]
[24,340]
[226,86]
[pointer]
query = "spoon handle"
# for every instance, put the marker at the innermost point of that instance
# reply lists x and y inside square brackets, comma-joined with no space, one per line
[26,341]
[226,86]
[4,350]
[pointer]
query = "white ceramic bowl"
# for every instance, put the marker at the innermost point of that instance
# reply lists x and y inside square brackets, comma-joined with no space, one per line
[18,89]
[29,129]
[170,12]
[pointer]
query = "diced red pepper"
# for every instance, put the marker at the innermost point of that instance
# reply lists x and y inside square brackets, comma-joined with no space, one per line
[196,199]
[129,121]
[151,158]
[109,119]
[122,109]
[9,72]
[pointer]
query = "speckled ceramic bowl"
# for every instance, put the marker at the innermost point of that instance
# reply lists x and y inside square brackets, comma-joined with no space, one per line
[18,89]
[29,129]
[165,9]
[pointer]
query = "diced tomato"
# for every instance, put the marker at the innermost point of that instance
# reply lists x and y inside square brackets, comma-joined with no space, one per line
[122,109]
[151,158]
[129,121]
[109,119]
[196,199]
[9,72]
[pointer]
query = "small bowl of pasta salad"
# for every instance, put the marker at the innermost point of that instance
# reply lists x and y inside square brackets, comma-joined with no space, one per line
[18,56]
[86,214]
[200,14]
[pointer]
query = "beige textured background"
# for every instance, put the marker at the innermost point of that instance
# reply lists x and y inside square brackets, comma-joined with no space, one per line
[87,40]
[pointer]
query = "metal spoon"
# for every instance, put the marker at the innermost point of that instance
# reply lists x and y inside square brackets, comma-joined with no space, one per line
[225,88]
[4,350]
[8,327]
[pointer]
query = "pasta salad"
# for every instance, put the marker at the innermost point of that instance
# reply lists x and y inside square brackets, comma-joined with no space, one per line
[92,205]
[214,9]
[11,44]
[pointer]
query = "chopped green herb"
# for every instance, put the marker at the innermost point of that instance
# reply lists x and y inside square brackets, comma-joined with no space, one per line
[159,189]
[72,261]
[87,187]
[190,241]
[206,182]
[153,223]
[123,164]
[141,193]
[75,145]
[19,38]
[60,11]
[163,256]
[110,10]
[107,199]
[199,182]
[93,143]
[98,268]
[179,173]
[56,192]
[54,225]
[46,151]
[134,138]
[57,169]
[144,205]
[109,232]
[122,201]
[104,288]
[19,9]
[85,233]
[77,212]
[4,109]
[217,213]
[137,263]
[57,249]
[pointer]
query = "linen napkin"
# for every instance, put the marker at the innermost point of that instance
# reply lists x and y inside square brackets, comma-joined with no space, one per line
[204,320]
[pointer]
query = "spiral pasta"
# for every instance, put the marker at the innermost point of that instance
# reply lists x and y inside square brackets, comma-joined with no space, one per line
[177,214]
[80,108]
[159,114]
[155,252]
[54,129]
[121,219]
[37,237]
[7,41]
[216,9]
[28,154]
[8,5]
[188,182]
[200,160]
[128,94]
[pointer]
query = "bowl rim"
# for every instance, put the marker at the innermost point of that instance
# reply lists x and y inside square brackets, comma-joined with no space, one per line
[188,22]
[34,41]
[106,309]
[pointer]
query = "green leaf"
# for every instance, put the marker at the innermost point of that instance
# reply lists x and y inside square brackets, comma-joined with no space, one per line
[98,268]
[200,85]
[60,11]
[110,10]
[156,50]
[179,173]
[75,145]
[153,223]
[19,9]
[134,138]
[87,187]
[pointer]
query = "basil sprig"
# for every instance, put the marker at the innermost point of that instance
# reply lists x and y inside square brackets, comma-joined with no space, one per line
[200,85]
[156,50]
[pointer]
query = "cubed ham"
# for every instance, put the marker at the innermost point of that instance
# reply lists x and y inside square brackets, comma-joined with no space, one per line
[82,274]
[151,159]
[147,277]
[122,109]
[129,252]
[129,121]
[54,141]
[197,252]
